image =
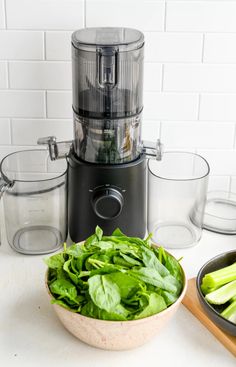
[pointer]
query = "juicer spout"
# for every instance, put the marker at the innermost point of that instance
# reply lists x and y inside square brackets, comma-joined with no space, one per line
[152,149]
[57,150]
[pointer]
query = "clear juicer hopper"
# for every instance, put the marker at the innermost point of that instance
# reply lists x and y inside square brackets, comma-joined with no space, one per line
[107,74]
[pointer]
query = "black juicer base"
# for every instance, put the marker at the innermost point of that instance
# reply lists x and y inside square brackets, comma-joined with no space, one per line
[111,196]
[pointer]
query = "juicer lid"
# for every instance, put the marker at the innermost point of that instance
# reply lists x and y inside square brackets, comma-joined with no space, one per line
[89,39]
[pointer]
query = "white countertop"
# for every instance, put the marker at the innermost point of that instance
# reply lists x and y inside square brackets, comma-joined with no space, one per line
[31,334]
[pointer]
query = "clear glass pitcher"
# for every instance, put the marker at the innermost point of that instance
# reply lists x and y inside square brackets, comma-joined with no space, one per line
[177,188]
[34,193]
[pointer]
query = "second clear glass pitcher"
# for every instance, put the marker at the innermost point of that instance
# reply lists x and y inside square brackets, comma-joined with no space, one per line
[34,192]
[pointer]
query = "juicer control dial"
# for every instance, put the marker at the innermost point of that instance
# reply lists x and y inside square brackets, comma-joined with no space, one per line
[107,202]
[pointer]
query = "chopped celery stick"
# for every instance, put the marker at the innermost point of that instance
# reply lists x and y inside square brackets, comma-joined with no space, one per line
[206,290]
[219,277]
[223,294]
[230,312]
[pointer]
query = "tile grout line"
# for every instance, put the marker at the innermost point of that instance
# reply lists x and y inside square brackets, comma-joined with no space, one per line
[199,106]
[230,183]
[160,131]
[158,62]
[35,90]
[8,75]
[5,13]
[165,15]
[32,29]
[50,119]
[234,139]
[203,47]
[45,104]
[37,61]
[7,62]
[11,132]
[44,46]
[162,79]
[158,92]
[85,17]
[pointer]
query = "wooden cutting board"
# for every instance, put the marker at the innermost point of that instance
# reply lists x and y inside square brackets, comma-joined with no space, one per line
[191,302]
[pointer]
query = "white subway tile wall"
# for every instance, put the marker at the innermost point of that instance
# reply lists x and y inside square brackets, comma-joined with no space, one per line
[21,45]
[201,16]
[189,82]
[59,104]
[52,40]
[2,15]
[153,77]
[142,14]
[44,14]
[170,106]
[5,128]
[3,75]
[198,134]
[35,127]
[219,48]
[22,103]
[200,78]
[173,47]
[40,75]
[218,107]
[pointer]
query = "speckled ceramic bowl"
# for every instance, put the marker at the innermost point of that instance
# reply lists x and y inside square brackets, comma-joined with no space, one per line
[218,262]
[116,335]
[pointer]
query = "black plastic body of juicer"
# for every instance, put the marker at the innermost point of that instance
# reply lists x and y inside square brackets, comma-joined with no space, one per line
[106,167]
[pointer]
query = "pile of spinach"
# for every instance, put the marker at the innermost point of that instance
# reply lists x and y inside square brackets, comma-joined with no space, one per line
[114,277]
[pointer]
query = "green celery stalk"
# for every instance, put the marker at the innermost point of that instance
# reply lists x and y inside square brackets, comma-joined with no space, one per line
[218,278]
[230,312]
[223,294]
[233,298]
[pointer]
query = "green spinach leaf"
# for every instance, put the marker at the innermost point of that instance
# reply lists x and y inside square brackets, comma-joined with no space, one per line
[174,268]
[68,270]
[55,261]
[104,293]
[126,283]
[156,304]
[99,233]
[150,260]
[74,250]
[151,276]
[119,313]
[64,288]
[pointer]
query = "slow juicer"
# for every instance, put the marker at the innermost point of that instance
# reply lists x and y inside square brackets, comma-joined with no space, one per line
[106,161]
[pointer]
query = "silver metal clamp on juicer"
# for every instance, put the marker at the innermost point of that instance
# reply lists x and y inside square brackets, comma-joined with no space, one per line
[62,149]
[107,158]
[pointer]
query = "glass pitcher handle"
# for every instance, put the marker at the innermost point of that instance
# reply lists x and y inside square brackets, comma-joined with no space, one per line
[153,150]
[3,187]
